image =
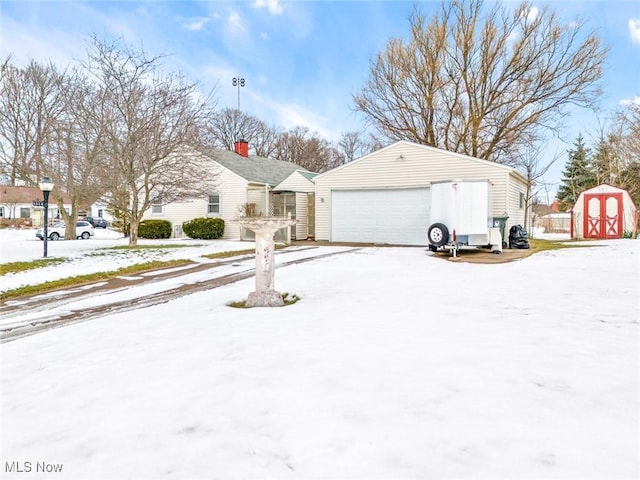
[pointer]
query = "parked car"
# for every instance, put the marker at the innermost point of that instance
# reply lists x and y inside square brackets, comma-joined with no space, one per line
[97,222]
[91,220]
[84,230]
[100,223]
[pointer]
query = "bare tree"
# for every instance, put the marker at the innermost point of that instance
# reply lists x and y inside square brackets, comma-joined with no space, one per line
[29,106]
[77,148]
[151,120]
[623,145]
[265,141]
[307,149]
[351,146]
[485,84]
[531,163]
[229,125]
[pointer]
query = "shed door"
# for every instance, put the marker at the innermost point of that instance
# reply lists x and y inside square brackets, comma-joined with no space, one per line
[393,216]
[602,215]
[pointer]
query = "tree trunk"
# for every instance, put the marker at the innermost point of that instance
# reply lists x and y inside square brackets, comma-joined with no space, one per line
[133,233]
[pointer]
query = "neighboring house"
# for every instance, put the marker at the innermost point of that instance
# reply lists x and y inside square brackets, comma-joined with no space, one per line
[24,206]
[242,179]
[99,210]
[385,197]
[604,212]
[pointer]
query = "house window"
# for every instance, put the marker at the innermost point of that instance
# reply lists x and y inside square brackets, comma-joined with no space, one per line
[213,205]
[521,200]
[157,207]
[25,212]
[1,212]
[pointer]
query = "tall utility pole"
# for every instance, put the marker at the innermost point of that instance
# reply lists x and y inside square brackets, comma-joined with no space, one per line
[238,82]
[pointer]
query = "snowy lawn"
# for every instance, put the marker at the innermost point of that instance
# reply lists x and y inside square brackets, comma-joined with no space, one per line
[98,254]
[394,364]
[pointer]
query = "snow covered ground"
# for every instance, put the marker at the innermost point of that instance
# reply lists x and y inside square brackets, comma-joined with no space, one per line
[394,364]
[96,254]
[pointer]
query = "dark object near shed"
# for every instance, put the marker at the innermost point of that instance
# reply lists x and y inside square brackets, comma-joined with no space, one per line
[518,237]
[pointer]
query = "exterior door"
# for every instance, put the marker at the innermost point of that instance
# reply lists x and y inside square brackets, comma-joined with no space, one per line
[283,205]
[602,215]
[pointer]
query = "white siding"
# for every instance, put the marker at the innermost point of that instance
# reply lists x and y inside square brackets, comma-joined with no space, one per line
[233,194]
[406,164]
[516,190]
[302,232]
[296,182]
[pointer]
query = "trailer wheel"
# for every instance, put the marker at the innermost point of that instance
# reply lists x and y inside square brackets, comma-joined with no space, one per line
[438,234]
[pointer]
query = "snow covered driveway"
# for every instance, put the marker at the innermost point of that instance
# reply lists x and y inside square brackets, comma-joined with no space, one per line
[393,365]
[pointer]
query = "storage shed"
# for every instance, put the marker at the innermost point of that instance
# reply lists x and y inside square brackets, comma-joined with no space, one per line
[385,197]
[604,211]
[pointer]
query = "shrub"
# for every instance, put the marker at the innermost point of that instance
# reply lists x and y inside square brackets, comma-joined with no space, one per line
[204,228]
[154,229]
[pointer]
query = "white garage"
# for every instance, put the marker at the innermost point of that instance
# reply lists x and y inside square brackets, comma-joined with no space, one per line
[385,197]
[398,216]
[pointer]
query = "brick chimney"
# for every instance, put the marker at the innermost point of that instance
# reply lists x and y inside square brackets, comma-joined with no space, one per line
[241,147]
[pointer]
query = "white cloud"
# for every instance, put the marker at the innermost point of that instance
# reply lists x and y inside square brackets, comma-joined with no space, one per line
[634,101]
[264,36]
[234,23]
[634,29]
[288,114]
[532,14]
[196,24]
[274,7]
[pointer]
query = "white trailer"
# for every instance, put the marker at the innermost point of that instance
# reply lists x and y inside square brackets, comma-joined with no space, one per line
[460,216]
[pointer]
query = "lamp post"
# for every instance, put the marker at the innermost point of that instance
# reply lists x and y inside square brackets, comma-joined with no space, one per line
[238,82]
[46,185]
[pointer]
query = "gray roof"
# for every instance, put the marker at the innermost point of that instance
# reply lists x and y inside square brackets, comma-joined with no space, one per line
[253,168]
[308,175]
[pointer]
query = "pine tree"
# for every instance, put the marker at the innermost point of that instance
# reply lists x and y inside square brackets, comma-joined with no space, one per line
[577,176]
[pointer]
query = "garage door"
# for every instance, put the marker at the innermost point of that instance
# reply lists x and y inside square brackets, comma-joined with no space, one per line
[395,216]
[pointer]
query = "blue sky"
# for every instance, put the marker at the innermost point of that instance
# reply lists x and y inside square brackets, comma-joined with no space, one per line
[302,60]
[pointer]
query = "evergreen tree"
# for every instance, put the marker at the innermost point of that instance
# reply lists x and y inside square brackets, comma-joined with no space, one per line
[577,175]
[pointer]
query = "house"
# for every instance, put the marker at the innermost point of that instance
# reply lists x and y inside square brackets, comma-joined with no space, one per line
[24,206]
[604,212]
[268,186]
[385,197]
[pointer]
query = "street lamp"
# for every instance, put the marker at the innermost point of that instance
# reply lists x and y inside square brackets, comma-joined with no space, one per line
[238,82]
[46,185]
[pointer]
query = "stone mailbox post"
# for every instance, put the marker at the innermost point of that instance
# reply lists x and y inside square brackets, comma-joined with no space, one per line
[264,229]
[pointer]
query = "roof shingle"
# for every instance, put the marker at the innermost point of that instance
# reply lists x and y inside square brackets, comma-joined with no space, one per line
[253,168]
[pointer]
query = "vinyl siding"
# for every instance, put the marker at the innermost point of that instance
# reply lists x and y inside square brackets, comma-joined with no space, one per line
[295,182]
[233,194]
[301,215]
[516,214]
[406,164]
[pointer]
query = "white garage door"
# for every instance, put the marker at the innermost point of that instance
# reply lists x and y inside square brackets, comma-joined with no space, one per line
[395,216]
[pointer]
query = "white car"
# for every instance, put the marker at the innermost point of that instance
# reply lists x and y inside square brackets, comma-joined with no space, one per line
[84,230]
